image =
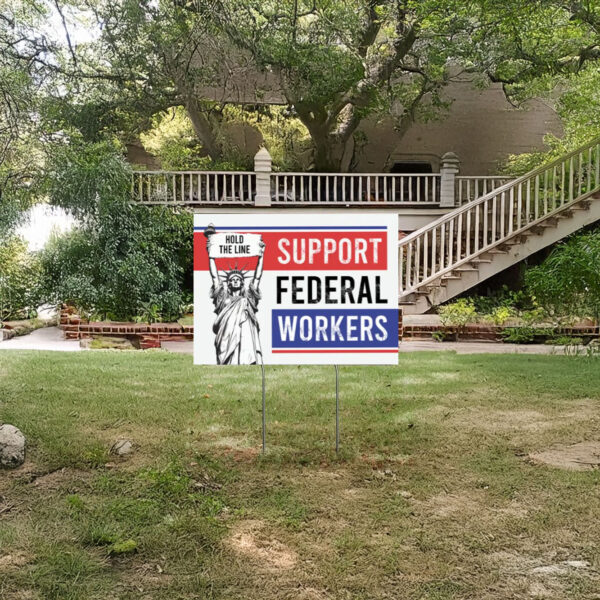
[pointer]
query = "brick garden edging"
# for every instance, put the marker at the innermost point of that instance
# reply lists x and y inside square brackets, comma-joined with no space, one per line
[492,333]
[149,335]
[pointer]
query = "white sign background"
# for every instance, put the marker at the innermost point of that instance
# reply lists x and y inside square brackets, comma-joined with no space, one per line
[360,246]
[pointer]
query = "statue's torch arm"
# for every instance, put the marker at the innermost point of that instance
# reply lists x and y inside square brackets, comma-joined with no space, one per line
[259,266]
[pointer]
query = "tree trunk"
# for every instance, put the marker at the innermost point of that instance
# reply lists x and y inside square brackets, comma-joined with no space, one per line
[327,158]
[203,129]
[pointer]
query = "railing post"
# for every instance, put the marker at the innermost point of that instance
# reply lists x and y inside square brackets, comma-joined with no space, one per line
[262,168]
[449,169]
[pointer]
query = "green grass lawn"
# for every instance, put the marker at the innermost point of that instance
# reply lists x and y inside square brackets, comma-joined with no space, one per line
[432,496]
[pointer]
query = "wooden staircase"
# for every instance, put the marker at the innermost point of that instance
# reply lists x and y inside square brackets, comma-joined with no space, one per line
[487,235]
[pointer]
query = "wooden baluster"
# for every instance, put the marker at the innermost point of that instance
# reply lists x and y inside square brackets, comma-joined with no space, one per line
[442,247]
[537,197]
[588,182]
[554,189]
[571,179]
[476,236]
[579,174]
[425,254]
[519,206]
[401,269]
[409,275]
[451,244]
[597,181]
[434,250]
[459,238]
[426,177]
[494,215]
[485,223]
[418,182]
[468,236]
[417,261]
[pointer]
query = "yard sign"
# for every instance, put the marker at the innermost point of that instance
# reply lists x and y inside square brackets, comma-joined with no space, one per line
[295,288]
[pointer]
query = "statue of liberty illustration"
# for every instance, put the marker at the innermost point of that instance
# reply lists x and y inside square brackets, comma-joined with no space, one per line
[236,327]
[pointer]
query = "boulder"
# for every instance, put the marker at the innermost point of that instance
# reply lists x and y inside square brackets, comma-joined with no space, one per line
[121,447]
[12,447]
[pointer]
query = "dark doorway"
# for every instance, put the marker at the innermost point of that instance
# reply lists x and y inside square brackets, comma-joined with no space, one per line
[416,189]
[412,167]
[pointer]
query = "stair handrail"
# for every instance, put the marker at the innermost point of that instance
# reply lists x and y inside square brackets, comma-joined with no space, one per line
[503,188]
[407,281]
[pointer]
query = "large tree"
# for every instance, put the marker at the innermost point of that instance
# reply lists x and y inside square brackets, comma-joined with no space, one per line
[332,62]
[22,76]
[338,62]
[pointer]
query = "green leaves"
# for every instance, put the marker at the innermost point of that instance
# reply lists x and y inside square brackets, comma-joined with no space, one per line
[121,258]
[567,282]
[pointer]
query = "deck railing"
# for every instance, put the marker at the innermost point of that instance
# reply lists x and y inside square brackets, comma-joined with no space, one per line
[435,250]
[265,187]
[193,187]
[355,188]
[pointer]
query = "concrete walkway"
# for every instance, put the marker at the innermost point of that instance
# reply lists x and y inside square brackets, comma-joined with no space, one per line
[46,338]
[51,338]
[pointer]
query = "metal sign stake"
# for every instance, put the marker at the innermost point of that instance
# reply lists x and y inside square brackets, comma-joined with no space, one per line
[264,418]
[337,410]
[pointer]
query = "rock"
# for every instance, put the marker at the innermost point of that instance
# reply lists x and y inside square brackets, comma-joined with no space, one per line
[121,448]
[12,447]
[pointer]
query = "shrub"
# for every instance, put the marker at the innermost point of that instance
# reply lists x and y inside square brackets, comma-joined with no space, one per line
[121,259]
[19,271]
[567,281]
[457,314]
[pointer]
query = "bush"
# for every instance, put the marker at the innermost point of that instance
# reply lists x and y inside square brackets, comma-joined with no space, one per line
[458,314]
[567,282]
[121,259]
[19,270]
[137,259]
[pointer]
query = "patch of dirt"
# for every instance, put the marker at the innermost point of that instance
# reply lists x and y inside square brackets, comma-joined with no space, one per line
[449,505]
[242,454]
[584,456]
[59,478]
[509,421]
[14,561]
[249,540]
[542,576]
[146,577]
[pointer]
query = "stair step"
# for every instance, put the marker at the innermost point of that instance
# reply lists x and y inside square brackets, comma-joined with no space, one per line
[565,214]
[477,261]
[466,269]
[497,251]
[551,222]
[406,303]
[517,239]
[446,277]
[583,205]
